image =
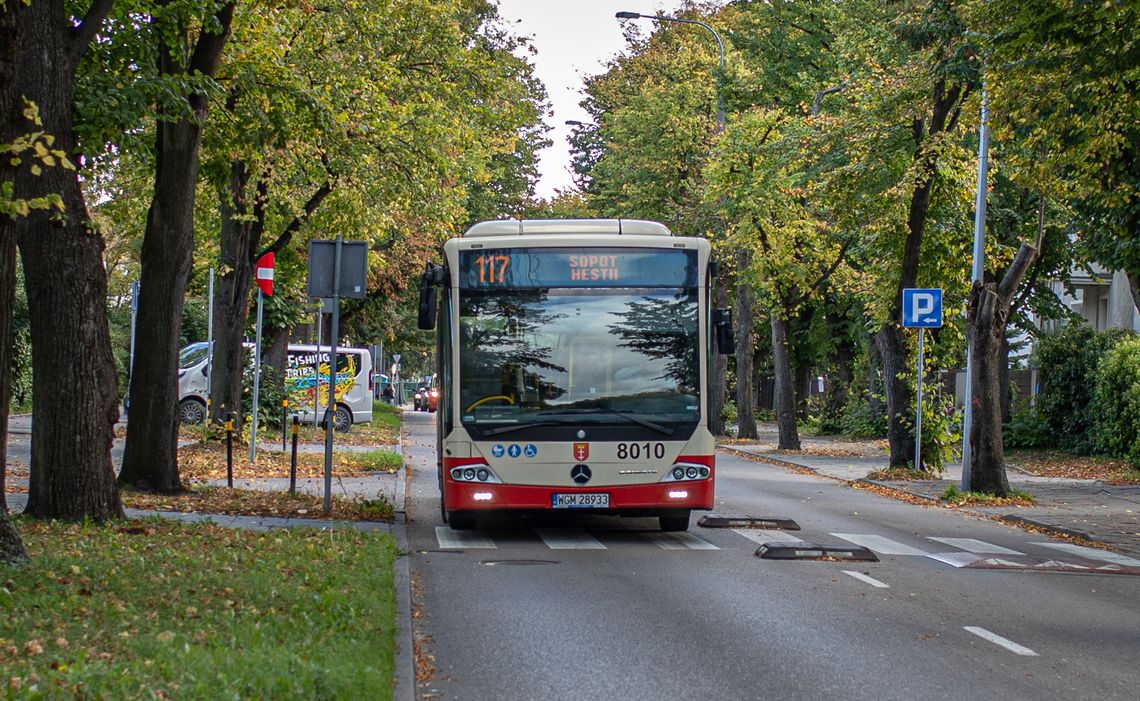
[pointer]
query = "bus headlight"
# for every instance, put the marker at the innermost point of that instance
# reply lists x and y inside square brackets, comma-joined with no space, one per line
[686,471]
[475,473]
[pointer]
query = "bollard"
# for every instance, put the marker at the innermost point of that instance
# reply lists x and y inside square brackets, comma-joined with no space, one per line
[284,420]
[293,460]
[230,450]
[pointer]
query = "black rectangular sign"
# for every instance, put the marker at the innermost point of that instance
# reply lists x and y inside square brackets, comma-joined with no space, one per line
[353,269]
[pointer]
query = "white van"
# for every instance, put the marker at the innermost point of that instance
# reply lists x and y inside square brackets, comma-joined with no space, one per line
[306,379]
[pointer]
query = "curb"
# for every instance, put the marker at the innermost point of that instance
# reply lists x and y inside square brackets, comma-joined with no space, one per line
[404,664]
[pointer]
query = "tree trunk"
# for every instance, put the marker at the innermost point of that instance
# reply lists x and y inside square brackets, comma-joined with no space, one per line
[839,382]
[1004,389]
[987,331]
[11,547]
[745,348]
[239,239]
[785,393]
[720,369]
[900,402]
[9,35]
[74,390]
[1134,285]
[7,309]
[151,457]
[987,315]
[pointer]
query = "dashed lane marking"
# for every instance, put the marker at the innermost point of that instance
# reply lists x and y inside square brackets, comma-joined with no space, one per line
[1003,642]
[867,579]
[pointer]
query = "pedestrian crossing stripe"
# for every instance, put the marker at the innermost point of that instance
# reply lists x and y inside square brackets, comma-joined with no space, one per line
[1093,554]
[970,553]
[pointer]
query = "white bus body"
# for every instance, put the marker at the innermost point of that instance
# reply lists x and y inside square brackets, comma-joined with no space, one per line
[574,367]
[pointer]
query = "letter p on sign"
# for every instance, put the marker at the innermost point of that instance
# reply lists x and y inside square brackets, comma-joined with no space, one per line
[922,308]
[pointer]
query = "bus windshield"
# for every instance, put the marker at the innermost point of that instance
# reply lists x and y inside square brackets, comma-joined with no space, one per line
[543,356]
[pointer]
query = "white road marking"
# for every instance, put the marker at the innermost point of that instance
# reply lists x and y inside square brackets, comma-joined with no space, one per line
[680,541]
[956,559]
[574,539]
[761,536]
[1003,642]
[975,546]
[461,540]
[881,545]
[867,580]
[1094,554]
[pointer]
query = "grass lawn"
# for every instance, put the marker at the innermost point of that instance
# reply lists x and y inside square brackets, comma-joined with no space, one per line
[156,609]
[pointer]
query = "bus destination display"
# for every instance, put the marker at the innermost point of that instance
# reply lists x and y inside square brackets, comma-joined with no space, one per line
[576,267]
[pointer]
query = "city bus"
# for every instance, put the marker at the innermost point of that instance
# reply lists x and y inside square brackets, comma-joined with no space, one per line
[574,363]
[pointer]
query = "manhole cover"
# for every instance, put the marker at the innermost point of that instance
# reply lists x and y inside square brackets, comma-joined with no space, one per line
[497,563]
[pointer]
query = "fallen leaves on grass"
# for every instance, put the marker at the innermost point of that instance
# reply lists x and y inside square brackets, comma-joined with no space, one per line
[207,461]
[900,474]
[242,502]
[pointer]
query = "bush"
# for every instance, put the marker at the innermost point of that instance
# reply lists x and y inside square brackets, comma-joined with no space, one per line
[1026,429]
[859,420]
[1069,361]
[1117,393]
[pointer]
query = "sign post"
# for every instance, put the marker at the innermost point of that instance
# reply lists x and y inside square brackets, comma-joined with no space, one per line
[922,309]
[264,280]
[336,269]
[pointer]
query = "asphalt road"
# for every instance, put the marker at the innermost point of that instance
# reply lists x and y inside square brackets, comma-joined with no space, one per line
[611,608]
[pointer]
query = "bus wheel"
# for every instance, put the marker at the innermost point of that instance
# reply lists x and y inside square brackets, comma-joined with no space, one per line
[461,520]
[343,419]
[191,411]
[675,521]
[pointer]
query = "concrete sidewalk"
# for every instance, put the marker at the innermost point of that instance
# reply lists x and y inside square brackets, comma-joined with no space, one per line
[1089,509]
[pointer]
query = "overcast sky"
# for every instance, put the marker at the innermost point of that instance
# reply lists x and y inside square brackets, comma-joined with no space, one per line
[574,39]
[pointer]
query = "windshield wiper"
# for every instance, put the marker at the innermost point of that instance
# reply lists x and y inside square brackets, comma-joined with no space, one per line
[523,424]
[628,417]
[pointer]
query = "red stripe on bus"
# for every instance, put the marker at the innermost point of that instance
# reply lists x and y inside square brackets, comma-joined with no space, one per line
[460,496]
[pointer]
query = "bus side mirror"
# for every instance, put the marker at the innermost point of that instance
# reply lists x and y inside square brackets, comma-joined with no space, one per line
[725,339]
[429,295]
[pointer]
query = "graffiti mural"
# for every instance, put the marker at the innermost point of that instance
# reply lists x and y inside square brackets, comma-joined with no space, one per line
[308,376]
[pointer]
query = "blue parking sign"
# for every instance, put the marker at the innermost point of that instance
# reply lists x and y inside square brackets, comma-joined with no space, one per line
[922,308]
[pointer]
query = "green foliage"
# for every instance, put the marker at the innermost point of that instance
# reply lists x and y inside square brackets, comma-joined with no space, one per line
[729,414]
[197,612]
[860,420]
[1066,404]
[380,461]
[1026,429]
[1118,401]
[941,428]
[954,495]
[270,394]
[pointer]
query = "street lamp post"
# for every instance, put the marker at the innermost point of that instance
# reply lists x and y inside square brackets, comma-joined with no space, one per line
[719,43]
